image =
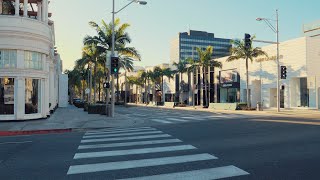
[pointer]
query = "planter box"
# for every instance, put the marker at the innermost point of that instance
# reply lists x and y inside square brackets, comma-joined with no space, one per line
[97,109]
[223,106]
[169,104]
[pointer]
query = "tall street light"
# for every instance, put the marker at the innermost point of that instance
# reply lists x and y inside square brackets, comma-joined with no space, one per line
[275,30]
[113,42]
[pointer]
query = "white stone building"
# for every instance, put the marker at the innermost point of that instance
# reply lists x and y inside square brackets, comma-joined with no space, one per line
[29,65]
[300,89]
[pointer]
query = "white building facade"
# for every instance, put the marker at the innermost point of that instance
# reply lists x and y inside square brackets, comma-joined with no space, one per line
[29,65]
[300,89]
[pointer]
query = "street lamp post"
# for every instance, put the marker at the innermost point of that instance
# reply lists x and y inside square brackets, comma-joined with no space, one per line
[276,30]
[113,45]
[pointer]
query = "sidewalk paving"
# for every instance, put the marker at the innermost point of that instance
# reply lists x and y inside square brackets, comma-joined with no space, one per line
[304,113]
[70,117]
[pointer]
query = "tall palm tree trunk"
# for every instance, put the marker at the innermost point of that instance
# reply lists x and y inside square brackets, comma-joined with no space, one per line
[154,93]
[83,89]
[94,82]
[180,88]
[205,85]
[201,86]
[162,99]
[136,94]
[247,85]
[145,91]
[99,90]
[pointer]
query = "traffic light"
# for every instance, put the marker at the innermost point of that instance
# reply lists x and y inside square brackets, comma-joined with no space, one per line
[283,72]
[247,41]
[114,65]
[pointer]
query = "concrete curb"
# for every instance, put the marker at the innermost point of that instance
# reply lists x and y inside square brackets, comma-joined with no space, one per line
[46,131]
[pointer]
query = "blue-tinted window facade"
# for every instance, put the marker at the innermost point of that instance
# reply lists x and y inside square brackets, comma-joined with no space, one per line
[193,39]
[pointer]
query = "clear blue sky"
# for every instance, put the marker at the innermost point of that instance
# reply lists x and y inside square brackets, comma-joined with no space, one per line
[154,25]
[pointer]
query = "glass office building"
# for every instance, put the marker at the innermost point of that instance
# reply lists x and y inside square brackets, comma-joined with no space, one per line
[183,47]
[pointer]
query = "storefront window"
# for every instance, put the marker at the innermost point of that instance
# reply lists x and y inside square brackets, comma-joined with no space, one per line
[6,96]
[32,96]
[8,8]
[8,58]
[32,60]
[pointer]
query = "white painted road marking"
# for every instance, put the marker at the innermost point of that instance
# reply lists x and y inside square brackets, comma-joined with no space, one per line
[120,131]
[125,138]
[161,121]
[21,142]
[176,119]
[88,168]
[129,144]
[132,151]
[203,174]
[122,134]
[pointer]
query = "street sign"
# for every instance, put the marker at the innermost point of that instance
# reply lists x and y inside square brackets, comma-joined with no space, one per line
[87,91]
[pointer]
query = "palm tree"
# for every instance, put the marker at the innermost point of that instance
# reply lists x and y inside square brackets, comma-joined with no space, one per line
[193,65]
[92,51]
[149,75]
[144,76]
[206,62]
[85,62]
[133,80]
[126,63]
[104,40]
[239,51]
[166,72]
[181,67]
[157,78]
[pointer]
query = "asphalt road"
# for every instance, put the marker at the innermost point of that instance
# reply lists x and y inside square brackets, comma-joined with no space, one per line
[171,144]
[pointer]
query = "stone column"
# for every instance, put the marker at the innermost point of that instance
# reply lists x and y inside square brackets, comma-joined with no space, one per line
[39,13]
[46,84]
[45,2]
[43,11]
[51,86]
[16,7]
[25,8]
[20,97]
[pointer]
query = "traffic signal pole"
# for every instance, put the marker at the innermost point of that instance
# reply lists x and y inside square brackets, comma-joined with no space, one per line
[112,55]
[278,64]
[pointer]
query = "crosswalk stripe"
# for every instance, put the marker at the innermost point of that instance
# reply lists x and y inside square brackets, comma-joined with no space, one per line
[129,144]
[119,129]
[143,115]
[188,117]
[161,121]
[121,134]
[132,151]
[125,138]
[203,174]
[88,168]
[179,120]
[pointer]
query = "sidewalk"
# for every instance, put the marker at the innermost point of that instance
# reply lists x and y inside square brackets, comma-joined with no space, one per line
[70,118]
[305,113]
